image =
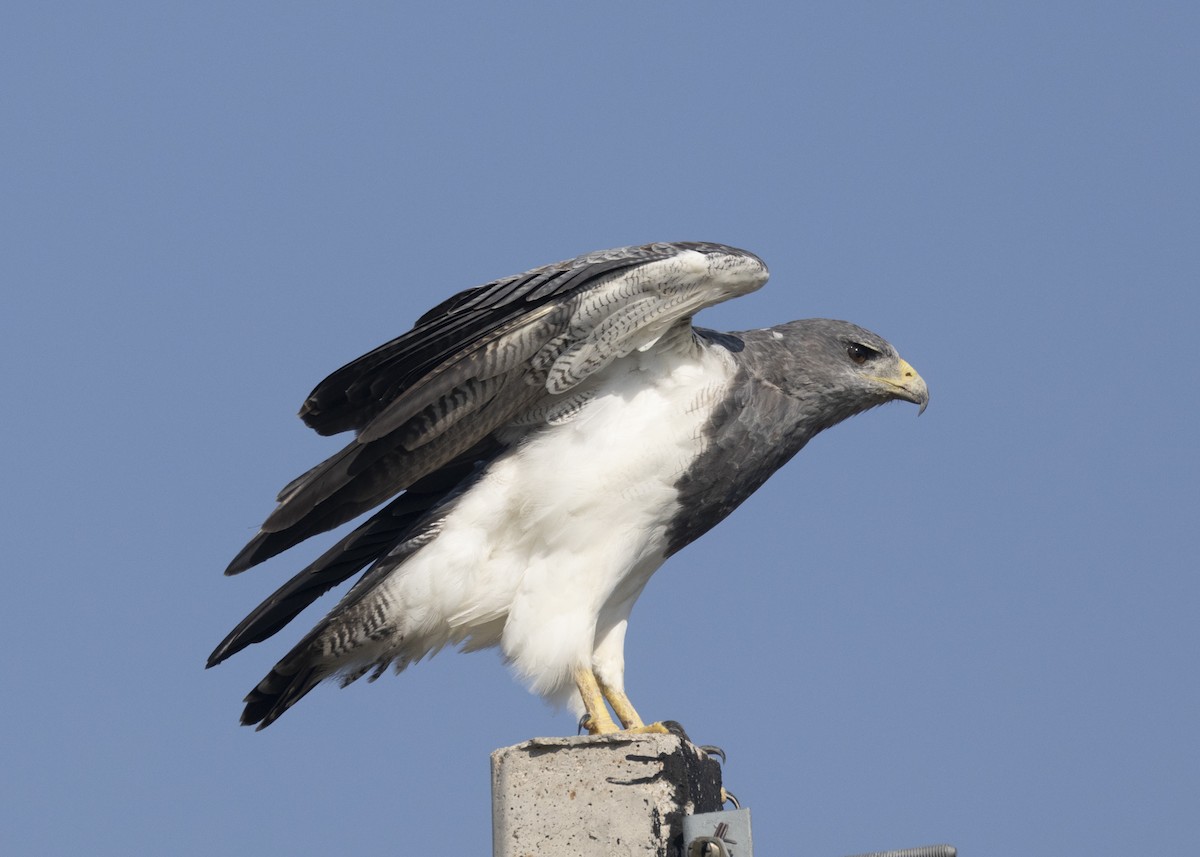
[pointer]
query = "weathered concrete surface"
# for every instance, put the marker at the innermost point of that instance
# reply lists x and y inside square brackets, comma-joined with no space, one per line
[599,796]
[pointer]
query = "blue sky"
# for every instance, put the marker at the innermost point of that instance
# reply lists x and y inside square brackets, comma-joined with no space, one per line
[977,627]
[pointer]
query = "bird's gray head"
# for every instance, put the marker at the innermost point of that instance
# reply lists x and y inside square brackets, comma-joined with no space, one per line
[838,368]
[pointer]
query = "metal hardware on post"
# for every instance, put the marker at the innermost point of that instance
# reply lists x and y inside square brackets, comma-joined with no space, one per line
[718,834]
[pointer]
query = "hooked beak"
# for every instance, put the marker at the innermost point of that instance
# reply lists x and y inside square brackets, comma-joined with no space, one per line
[906,384]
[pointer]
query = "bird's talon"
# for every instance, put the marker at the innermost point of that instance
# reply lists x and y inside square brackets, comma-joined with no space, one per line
[713,750]
[674,727]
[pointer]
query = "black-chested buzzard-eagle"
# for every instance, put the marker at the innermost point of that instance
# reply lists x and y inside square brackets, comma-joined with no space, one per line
[542,444]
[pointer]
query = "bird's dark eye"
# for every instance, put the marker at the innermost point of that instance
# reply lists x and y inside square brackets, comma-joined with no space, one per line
[859,353]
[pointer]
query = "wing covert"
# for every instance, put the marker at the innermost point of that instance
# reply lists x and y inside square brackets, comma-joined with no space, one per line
[477,361]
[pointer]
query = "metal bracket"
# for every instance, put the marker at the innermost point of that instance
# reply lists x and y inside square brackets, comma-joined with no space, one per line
[725,833]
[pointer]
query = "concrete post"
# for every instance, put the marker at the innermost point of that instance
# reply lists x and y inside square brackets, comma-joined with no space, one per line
[599,796]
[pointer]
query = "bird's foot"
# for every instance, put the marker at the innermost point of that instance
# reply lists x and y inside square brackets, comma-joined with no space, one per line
[650,729]
[598,696]
[597,720]
[609,727]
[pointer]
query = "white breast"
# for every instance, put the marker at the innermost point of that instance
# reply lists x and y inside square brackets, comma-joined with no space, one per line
[572,519]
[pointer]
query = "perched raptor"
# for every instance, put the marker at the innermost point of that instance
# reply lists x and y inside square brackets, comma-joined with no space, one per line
[542,444]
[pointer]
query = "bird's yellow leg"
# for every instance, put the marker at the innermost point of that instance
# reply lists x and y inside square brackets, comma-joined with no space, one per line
[626,713]
[599,722]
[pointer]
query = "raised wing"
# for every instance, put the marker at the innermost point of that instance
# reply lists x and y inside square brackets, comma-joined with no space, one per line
[477,361]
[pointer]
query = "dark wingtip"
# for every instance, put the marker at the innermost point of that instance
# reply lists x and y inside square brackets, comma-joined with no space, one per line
[223,651]
[248,556]
[265,545]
